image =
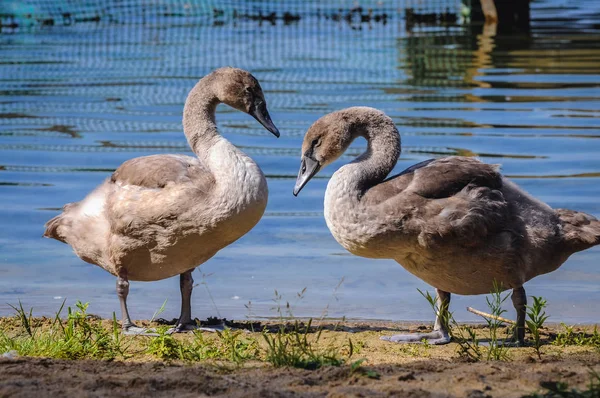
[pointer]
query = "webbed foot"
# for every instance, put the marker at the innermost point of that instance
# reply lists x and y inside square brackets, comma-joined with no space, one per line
[133,330]
[214,328]
[437,337]
[189,327]
[183,328]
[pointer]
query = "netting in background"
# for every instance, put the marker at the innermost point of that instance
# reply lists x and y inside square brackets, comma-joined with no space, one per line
[31,13]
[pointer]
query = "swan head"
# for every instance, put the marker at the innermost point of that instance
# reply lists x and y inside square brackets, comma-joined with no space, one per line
[324,142]
[240,90]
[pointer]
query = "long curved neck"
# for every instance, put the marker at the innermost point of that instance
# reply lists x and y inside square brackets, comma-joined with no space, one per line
[344,209]
[199,123]
[383,151]
[235,174]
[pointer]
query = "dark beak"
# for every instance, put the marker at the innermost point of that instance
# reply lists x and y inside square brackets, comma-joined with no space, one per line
[260,113]
[308,168]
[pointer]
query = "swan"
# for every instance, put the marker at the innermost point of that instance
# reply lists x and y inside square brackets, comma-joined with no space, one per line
[454,222]
[159,216]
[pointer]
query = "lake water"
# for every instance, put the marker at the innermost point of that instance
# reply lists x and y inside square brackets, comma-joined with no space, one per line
[76,101]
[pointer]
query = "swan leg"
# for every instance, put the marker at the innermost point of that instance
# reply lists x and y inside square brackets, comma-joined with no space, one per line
[185,322]
[129,327]
[439,335]
[519,299]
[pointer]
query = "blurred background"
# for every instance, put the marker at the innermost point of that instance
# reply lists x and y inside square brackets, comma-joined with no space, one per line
[86,85]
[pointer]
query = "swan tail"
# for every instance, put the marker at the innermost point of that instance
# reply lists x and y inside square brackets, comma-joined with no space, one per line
[580,230]
[55,226]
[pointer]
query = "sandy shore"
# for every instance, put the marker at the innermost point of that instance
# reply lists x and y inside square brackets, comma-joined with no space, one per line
[388,370]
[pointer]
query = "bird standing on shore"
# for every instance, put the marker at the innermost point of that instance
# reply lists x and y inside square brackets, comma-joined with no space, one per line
[454,222]
[163,215]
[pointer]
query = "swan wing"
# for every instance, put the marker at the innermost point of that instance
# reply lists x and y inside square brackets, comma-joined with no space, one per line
[462,202]
[445,177]
[453,200]
[158,171]
[151,195]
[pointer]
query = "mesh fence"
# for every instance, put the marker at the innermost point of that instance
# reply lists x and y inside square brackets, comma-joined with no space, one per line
[30,13]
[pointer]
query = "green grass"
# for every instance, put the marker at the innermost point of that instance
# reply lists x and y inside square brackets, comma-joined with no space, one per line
[229,345]
[82,336]
[569,338]
[301,349]
[79,336]
[295,344]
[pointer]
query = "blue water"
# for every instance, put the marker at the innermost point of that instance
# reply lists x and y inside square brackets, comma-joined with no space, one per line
[78,100]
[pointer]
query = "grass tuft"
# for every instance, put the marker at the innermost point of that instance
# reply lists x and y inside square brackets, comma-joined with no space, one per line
[79,336]
[300,349]
[570,337]
[229,345]
[537,316]
[294,345]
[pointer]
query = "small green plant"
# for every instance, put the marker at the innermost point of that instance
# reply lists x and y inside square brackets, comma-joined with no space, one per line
[26,318]
[234,347]
[357,346]
[497,349]
[165,346]
[570,337]
[537,316]
[159,311]
[357,368]
[415,350]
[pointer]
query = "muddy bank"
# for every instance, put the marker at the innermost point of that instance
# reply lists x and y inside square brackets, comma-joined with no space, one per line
[386,369]
[27,377]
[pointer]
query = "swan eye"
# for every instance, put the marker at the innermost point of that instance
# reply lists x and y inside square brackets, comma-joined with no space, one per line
[316,142]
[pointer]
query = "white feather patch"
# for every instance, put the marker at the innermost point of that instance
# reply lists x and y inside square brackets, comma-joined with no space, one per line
[93,205]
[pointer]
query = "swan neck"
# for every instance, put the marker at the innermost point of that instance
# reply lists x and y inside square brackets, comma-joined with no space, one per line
[199,124]
[383,151]
[237,176]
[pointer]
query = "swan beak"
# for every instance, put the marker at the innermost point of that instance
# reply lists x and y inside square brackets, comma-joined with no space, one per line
[260,113]
[308,168]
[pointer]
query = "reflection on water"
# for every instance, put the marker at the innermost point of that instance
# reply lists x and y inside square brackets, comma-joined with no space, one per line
[77,100]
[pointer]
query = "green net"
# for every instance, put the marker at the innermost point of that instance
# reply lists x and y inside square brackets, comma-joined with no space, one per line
[68,12]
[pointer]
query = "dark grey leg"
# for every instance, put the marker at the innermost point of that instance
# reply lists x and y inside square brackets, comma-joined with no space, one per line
[185,323]
[439,335]
[122,291]
[186,284]
[519,300]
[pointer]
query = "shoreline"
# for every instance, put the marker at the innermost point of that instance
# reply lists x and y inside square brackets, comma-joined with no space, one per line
[374,368]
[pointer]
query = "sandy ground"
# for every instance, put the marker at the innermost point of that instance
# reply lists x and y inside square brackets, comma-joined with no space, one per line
[402,370]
